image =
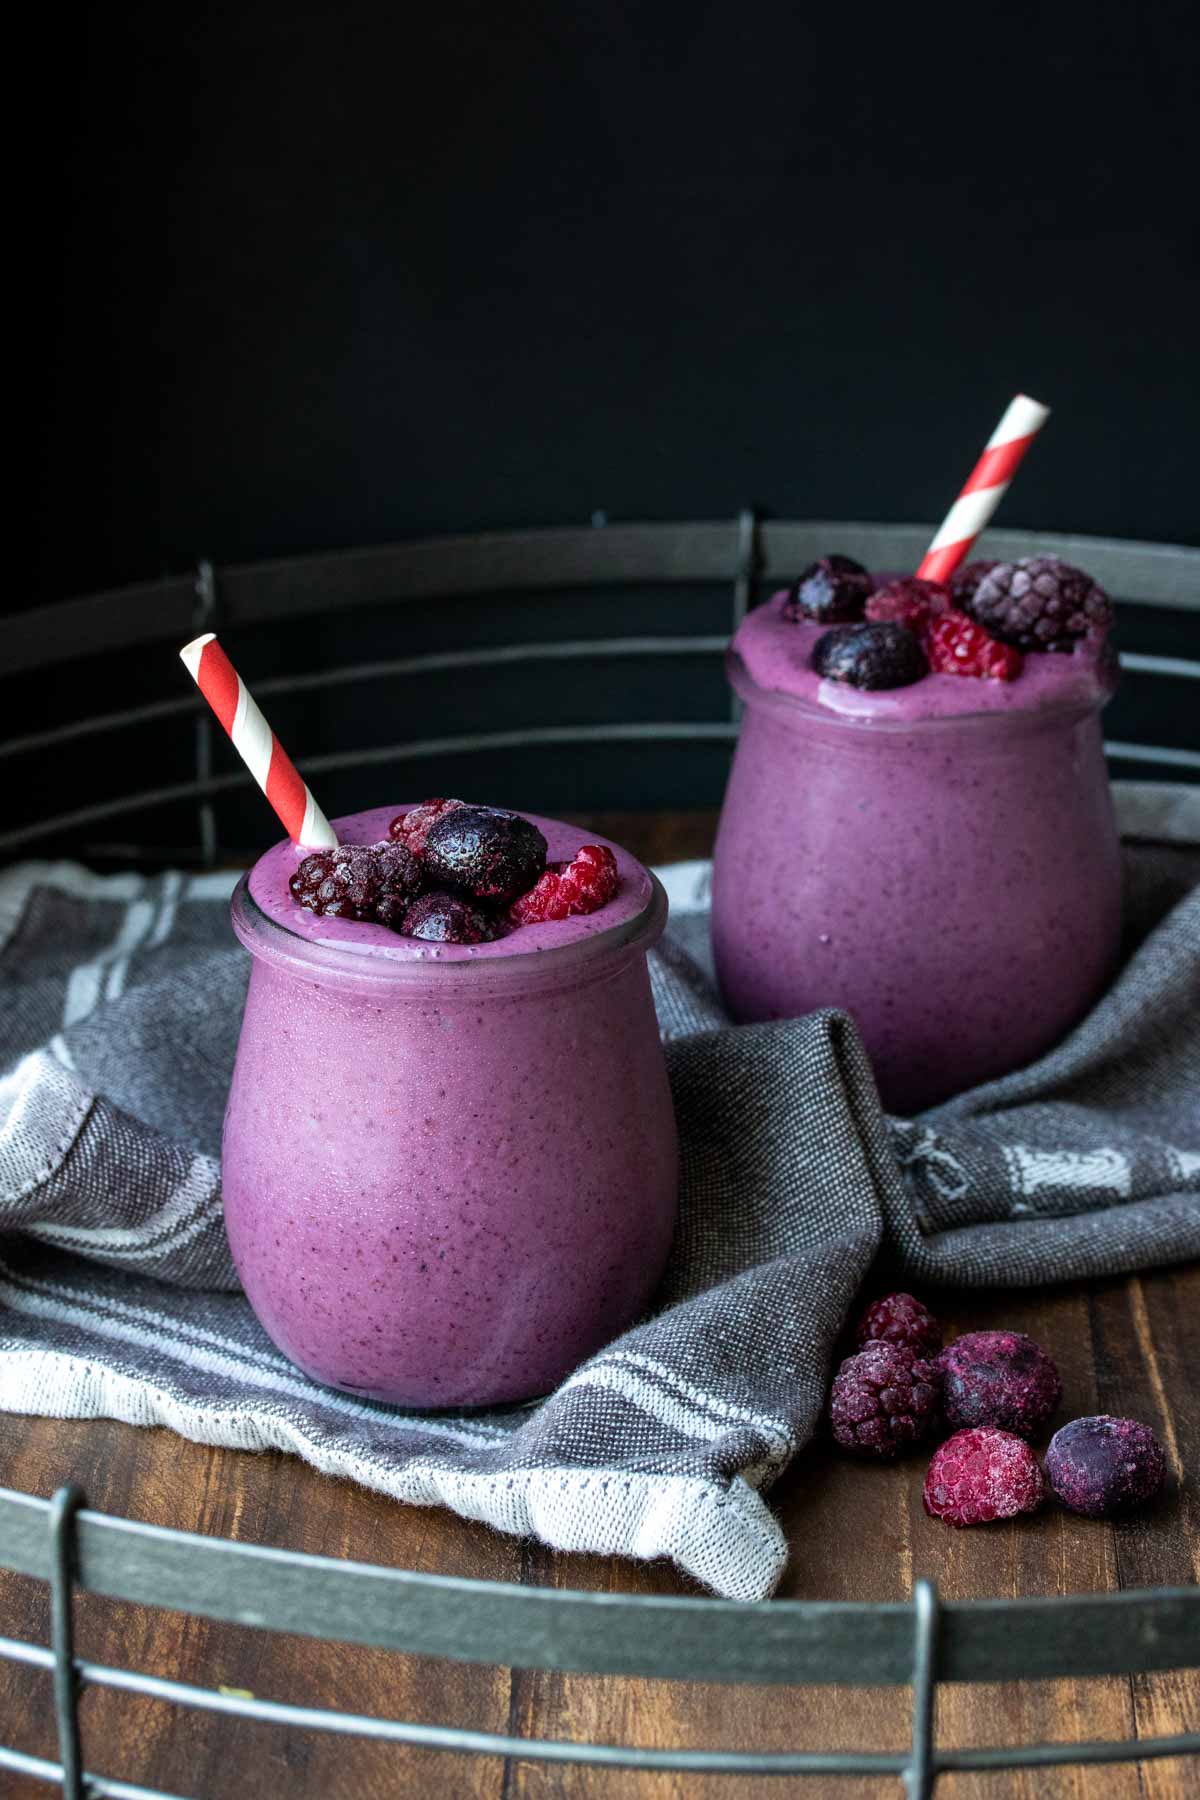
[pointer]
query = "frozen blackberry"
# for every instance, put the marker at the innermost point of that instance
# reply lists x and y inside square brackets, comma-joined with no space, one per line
[966,578]
[901,1319]
[883,655]
[413,827]
[829,590]
[1039,603]
[372,883]
[911,601]
[882,1400]
[1101,1466]
[978,1476]
[481,851]
[998,1378]
[449,919]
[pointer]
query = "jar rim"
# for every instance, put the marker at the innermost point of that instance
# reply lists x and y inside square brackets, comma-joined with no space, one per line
[594,954]
[1055,712]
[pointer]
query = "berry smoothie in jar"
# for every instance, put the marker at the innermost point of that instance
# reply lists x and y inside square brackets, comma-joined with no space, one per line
[918,826]
[450,1160]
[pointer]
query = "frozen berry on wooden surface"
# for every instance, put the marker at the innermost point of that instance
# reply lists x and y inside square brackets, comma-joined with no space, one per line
[901,1319]
[979,1476]
[999,1378]
[1102,1466]
[883,1399]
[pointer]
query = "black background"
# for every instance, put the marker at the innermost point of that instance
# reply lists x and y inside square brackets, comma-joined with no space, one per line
[306,277]
[321,275]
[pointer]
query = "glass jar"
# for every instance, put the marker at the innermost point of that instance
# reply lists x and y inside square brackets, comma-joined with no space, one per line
[953,882]
[448,1182]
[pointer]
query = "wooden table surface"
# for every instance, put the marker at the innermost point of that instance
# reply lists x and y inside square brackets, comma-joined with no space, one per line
[1128,1346]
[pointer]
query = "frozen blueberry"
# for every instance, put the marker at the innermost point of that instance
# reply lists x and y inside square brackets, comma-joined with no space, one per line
[449,919]
[999,1378]
[481,851]
[883,655]
[1100,1465]
[829,590]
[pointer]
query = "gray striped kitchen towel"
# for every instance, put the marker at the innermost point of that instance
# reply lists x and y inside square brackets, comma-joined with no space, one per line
[119,1007]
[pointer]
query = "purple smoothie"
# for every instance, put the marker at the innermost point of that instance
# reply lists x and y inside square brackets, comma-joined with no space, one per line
[940,860]
[449,1170]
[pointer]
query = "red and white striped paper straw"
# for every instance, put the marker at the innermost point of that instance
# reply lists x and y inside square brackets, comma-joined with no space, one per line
[257,744]
[986,483]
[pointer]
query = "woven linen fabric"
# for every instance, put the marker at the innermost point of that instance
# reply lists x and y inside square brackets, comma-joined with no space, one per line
[120,1001]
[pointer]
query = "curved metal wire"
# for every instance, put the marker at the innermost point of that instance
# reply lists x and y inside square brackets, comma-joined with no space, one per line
[231,1580]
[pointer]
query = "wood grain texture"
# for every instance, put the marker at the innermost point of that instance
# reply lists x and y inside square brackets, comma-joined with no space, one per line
[1128,1346]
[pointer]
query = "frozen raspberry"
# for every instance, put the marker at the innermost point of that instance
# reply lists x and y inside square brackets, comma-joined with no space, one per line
[412,827]
[966,578]
[366,882]
[882,1400]
[870,656]
[581,886]
[999,1378]
[912,602]
[1101,1466]
[489,854]
[901,1319]
[449,919]
[1040,603]
[978,1476]
[831,589]
[957,645]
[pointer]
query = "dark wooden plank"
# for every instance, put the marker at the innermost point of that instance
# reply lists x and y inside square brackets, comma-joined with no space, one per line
[268,1498]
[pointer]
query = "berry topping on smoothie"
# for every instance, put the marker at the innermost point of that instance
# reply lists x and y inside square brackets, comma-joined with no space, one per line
[442,918]
[453,873]
[1040,603]
[910,601]
[413,827]
[373,882]
[956,645]
[978,1476]
[583,885]
[967,578]
[482,851]
[830,590]
[872,655]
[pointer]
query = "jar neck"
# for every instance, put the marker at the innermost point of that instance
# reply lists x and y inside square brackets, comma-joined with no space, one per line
[372,973]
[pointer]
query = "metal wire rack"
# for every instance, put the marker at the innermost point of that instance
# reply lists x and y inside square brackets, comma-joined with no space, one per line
[920,1644]
[785,1642]
[746,553]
